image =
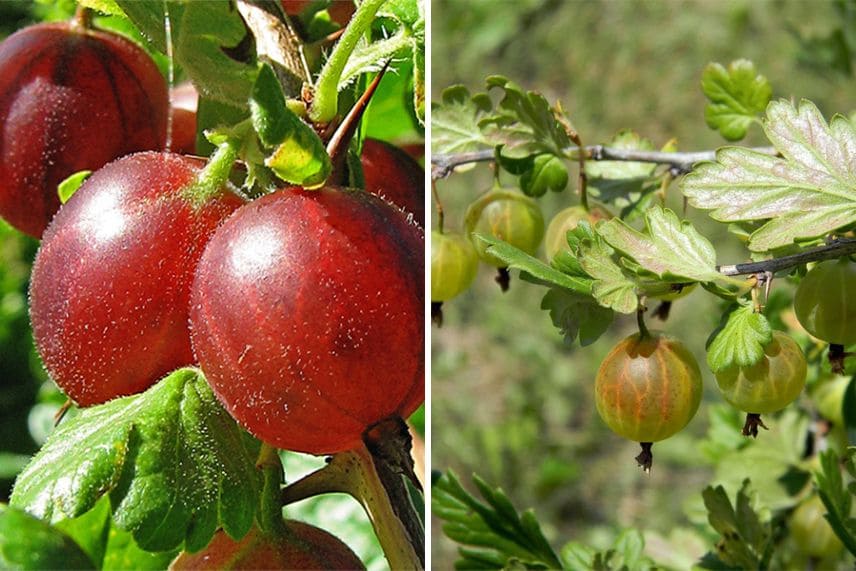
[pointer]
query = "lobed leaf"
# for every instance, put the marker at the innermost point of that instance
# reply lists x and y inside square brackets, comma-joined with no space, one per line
[838,499]
[613,286]
[745,539]
[741,341]
[672,249]
[808,192]
[174,463]
[455,121]
[737,96]
[620,182]
[492,535]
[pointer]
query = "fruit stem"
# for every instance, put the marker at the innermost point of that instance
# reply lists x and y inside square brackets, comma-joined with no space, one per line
[640,322]
[82,17]
[645,459]
[270,512]
[574,136]
[354,472]
[210,180]
[326,98]
[439,206]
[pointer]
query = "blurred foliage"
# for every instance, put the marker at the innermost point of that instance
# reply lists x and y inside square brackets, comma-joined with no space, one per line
[512,402]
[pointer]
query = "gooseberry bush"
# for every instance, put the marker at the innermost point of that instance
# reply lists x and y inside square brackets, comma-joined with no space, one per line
[229,280]
[785,339]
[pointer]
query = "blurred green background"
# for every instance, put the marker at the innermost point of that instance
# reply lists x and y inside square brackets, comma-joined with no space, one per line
[511,401]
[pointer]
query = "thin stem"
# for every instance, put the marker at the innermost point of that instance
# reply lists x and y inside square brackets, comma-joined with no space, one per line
[575,138]
[354,472]
[270,513]
[439,205]
[837,248]
[640,322]
[326,97]
[82,17]
[680,163]
[209,182]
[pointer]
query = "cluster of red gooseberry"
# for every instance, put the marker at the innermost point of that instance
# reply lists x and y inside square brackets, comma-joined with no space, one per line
[649,385]
[303,308]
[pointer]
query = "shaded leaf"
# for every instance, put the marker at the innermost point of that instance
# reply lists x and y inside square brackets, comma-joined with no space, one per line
[548,172]
[807,193]
[27,543]
[175,464]
[613,287]
[741,341]
[837,499]
[620,182]
[577,316]
[737,96]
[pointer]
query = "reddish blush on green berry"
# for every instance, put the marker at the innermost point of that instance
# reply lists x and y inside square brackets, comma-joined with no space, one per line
[307,317]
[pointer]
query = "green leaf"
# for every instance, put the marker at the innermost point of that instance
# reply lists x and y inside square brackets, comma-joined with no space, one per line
[520,260]
[90,531]
[455,121]
[30,543]
[69,186]
[807,193]
[737,96]
[744,537]
[267,108]
[612,287]
[124,553]
[202,33]
[577,315]
[175,464]
[548,173]
[500,535]
[386,118]
[104,6]
[300,156]
[836,498]
[527,122]
[672,249]
[741,341]
[620,182]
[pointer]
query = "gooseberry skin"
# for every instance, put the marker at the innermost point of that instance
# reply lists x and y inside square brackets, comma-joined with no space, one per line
[307,317]
[300,546]
[769,385]
[811,531]
[110,288]
[508,215]
[454,264]
[648,388]
[71,99]
[555,240]
[825,301]
[392,174]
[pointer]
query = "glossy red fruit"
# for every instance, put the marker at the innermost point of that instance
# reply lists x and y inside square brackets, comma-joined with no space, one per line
[110,287]
[648,388]
[340,10]
[71,99]
[298,546]
[307,317]
[555,240]
[395,176]
[183,135]
[769,385]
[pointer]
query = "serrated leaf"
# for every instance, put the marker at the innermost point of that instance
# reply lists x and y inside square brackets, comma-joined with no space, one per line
[807,193]
[500,536]
[733,547]
[612,287]
[455,121]
[527,121]
[548,172]
[520,260]
[741,341]
[577,315]
[836,498]
[30,543]
[671,249]
[174,462]
[202,33]
[737,96]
